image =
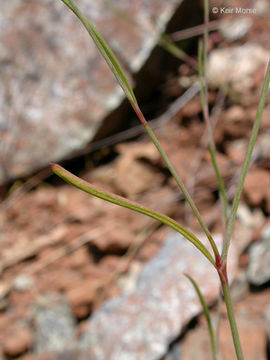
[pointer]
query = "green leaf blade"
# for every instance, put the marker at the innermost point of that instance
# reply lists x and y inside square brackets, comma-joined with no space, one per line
[206,314]
[240,185]
[118,200]
[105,51]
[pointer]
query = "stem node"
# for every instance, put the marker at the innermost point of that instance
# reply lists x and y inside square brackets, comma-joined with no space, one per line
[222,270]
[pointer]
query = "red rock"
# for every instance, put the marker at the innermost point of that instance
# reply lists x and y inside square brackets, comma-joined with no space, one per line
[135,176]
[148,251]
[117,240]
[267,200]
[79,258]
[148,317]
[81,311]
[235,113]
[253,341]
[243,260]
[236,150]
[192,108]
[95,272]
[82,296]
[111,263]
[257,185]
[64,281]
[252,337]
[17,341]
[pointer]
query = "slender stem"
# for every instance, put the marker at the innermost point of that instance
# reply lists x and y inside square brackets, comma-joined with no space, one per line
[207,316]
[204,98]
[205,40]
[217,338]
[175,50]
[177,179]
[231,317]
[104,50]
[221,186]
[116,69]
[240,185]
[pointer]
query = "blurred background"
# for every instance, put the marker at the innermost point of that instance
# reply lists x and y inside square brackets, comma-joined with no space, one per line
[84,279]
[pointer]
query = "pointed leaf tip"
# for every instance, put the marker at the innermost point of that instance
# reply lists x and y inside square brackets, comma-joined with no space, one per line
[105,51]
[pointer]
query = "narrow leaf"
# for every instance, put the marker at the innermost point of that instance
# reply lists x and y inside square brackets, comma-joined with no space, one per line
[206,314]
[175,50]
[245,165]
[105,51]
[116,69]
[204,100]
[118,200]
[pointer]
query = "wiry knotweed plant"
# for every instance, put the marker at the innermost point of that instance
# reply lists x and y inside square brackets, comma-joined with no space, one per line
[217,260]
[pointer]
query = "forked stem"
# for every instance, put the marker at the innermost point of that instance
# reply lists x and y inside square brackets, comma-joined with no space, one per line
[123,82]
[176,178]
[220,262]
[222,272]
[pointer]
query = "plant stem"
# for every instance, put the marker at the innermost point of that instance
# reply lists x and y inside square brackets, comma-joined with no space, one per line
[175,50]
[204,98]
[231,317]
[240,185]
[177,179]
[116,69]
[207,316]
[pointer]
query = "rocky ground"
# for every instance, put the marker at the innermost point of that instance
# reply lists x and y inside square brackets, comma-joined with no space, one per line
[64,253]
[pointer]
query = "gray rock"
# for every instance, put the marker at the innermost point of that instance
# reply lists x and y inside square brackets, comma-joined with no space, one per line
[234,66]
[236,29]
[141,325]
[55,89]
[22,282]
[239,286]
[265,235]
[261,6]
[54,325]
[174,352]
[259,260]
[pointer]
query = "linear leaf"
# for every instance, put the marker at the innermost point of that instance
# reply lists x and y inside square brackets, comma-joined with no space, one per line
[118,200]
[240,185]
[117,71]
[206,314]
[105,51]
[202,62]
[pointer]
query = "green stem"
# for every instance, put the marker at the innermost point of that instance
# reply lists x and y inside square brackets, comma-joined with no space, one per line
[221,186]
[204,98]
[240,185]
[231,317]
[207,316]
[171,47]
[177,179]
[105,51]
[122,80]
